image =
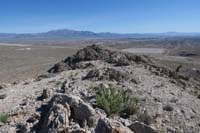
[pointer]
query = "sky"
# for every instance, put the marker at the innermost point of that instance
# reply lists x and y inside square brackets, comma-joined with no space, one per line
[119,16]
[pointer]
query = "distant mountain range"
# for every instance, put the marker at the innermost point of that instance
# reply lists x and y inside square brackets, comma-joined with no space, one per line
[66,35]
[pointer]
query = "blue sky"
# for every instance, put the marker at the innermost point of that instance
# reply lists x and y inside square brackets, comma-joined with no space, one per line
[122,16]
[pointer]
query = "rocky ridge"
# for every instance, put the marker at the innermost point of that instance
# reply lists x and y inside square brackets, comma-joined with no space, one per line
[66,102]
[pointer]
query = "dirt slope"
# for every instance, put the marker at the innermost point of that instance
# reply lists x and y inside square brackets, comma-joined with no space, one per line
[64,100]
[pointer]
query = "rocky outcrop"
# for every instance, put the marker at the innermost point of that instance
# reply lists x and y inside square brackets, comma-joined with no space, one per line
[69,99]
[55,119]
[62,109]
[95,52]
[46,93]
[111,126]
[175,77]
[103,126]
[107,74]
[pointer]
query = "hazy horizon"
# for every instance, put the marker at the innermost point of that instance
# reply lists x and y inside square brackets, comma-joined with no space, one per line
[164,32]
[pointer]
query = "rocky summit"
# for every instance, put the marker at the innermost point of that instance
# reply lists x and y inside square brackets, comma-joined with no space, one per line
[102,90]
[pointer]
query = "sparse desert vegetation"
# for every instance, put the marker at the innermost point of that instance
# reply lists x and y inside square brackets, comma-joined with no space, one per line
[100,66]
[116,101]
[101,88]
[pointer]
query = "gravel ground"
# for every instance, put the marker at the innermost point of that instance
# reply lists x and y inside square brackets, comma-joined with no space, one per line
[19,62]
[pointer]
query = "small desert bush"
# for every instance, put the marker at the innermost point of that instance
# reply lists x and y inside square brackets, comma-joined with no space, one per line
[3,118]
[116,101]
[145,118]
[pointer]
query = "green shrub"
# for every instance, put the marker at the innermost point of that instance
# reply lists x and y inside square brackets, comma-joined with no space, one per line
[131,106]
[3,118]
[116,101]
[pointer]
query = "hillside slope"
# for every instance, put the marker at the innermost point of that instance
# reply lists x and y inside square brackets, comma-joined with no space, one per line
[66,100]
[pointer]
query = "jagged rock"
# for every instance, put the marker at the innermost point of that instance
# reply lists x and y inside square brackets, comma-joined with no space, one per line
[107,74]
[125,122]
[93,74]
[89,53]
[95,52]
[21,129]
[64,107]
[119,59]
[85,113]
[46,93]
[108,126]
[55,119]
[113,74]
[139,58]
[123,62]
[141,128]
[81,112]
[83,65]
[59,67]
[103,126]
